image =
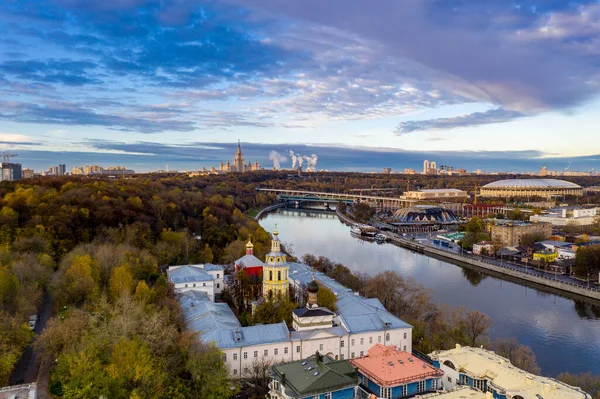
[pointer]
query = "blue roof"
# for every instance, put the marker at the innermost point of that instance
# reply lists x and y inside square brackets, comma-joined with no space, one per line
[357,313]
[216,322]
[211,267]
[187,274]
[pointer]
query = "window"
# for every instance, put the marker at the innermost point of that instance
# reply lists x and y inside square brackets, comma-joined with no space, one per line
[352,341]
[224,357]
[362,353]
[204,284]
[404,390]
[404,335]
[235,356]
[422,386]
[217,275]
[270,274]
[328,395]
[362,341]
[193,285]
[245,355]
[276,351]
[218,285]
[298,349]
[387,336]
[275,385]
[285,350]
[245,370]
[278,275]
[352,355]
[404,348]
[449,379]
[321,347]
[186,286]
[266,353]
[342,356]
[370,340]
[386,392]
[255,353]
[479,384]
[342,343]
[234,371]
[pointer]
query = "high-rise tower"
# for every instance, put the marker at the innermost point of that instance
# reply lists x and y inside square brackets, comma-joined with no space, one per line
[238,161]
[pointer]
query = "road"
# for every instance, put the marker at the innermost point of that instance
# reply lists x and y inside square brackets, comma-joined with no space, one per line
[26,369]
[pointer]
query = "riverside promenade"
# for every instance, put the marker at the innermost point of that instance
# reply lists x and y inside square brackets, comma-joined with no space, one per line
[507,271]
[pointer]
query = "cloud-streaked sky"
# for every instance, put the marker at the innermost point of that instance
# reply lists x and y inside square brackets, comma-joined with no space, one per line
[456,79]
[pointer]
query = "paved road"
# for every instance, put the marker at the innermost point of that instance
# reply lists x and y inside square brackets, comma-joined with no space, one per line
[26,369]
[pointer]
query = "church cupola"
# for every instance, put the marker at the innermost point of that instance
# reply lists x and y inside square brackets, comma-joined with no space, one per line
[313,290]
[275,243]
[249,248]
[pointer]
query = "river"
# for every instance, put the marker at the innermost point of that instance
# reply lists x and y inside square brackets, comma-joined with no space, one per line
[564,333]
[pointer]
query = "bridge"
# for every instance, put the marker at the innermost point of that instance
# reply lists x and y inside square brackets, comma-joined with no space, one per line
[379,203]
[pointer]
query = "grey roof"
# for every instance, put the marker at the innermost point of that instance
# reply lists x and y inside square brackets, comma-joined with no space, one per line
[249,260]
[311,377]
[308,334]
[357,313]
[211,267]
[314,312]
[531,184]
[187,274]
[556,243]
[216,322]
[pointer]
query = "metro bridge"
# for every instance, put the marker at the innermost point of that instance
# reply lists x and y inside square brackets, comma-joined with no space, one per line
[379,203]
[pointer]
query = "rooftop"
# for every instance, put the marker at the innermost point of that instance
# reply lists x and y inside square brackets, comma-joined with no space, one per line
[390,367]
[462,392]
[312,377]
[484,364]
[531,184]
[249,261]
[187,274]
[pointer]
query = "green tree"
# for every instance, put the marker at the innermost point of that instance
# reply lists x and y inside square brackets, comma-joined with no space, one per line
[326,298]
[14,337]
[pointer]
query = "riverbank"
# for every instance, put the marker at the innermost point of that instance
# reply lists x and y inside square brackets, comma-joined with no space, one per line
[514,274]
[269,209]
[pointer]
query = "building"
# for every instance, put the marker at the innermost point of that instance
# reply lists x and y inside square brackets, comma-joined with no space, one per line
[484,248]
[421,215]
[357,325]
[92,169]
[317,376]
[312,317]
[239,164]
[27,173]
[443,194]
[510,233]
[526,188]
[461,392]
[207,278]
[577,216]
[10,171]
[488,372]
[387,372]
[545,256]
[275,270]
[387,171]
[408,171]
[249,263]
[24,391]
[429,168]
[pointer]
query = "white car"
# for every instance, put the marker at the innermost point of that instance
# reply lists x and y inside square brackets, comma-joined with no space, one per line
[32,321]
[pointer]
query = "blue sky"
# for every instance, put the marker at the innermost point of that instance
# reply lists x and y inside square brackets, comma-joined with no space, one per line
[497,85]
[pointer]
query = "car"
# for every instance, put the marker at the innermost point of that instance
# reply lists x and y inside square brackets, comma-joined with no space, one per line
[32,321]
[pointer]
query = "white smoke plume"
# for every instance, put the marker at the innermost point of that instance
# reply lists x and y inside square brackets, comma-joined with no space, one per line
[294,159]
[311,163]
[277,158]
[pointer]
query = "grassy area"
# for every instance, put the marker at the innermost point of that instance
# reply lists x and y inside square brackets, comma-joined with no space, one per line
[251,213]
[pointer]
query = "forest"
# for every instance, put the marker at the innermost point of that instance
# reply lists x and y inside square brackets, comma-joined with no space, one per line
[98,248]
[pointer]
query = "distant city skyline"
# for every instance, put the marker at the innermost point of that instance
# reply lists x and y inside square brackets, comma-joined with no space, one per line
[143,82]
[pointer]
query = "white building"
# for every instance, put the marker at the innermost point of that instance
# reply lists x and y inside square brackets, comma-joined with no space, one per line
[488,372]
[207,278]
[357,325]
[444,194]
[568,216]
[483,248]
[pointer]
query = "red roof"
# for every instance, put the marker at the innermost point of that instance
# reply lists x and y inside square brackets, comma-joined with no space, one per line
[389,367]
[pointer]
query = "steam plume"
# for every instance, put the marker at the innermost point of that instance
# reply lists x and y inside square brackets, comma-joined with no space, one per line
[277,158]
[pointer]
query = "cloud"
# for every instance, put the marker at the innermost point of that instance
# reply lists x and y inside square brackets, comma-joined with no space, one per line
[497,115]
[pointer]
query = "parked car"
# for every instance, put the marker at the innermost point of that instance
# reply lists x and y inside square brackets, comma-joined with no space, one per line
[32,321]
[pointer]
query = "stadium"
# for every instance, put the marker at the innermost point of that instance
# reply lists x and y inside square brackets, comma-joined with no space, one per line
[423,215]
[545,188]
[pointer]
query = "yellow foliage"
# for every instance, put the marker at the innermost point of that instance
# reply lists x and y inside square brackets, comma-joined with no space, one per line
[121,280]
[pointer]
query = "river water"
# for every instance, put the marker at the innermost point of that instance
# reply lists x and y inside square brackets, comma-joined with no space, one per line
[564,333]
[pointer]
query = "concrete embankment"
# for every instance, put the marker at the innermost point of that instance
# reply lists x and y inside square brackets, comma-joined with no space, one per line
[512,274]
[269,209]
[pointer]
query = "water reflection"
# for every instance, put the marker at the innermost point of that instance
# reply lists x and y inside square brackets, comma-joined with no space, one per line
[565,334]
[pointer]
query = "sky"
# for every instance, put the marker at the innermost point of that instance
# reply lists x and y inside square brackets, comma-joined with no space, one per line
[480,84]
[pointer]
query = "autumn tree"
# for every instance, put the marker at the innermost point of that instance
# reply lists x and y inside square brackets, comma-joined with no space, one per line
[521,356]
[121,281]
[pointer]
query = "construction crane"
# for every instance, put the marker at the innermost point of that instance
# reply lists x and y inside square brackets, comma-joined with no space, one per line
[8,156]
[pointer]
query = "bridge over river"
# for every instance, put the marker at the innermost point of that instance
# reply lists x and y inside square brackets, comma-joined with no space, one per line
[378,203]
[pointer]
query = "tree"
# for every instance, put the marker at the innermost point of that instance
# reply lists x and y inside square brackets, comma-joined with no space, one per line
[363,212]
[14,337]
[209,374]
[326,298]
[121,281]
[143,293]
[520,356]
[586,381]
[77,284]
[258,375]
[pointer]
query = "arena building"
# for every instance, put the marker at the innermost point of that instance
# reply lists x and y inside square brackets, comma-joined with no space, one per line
[422,215]
[545,188]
